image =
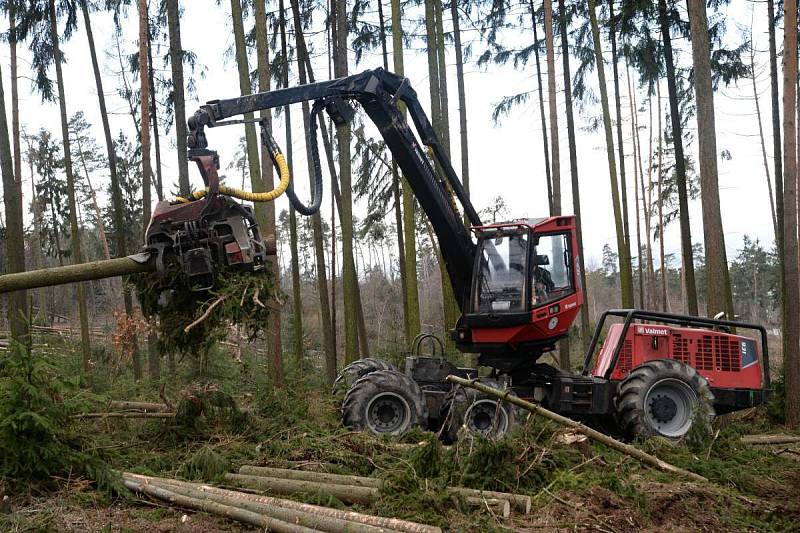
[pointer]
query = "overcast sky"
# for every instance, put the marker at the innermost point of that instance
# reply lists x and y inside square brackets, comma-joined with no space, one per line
[505,160]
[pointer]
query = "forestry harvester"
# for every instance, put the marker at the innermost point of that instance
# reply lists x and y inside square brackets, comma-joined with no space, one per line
[516,283]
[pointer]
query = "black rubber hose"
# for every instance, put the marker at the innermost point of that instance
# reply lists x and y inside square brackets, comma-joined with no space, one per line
[316,167]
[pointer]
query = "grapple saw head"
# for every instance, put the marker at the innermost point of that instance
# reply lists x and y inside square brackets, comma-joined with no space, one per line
[206,234]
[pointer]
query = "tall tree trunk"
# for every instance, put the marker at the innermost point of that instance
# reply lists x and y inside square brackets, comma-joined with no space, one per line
[343,134]
[776,132]
[17,307]
[622,248]
[409,203]
[662,256]
[573,169]
[316,219]
[363,341]
[101,229]
[444,106]
[15,128]
[246,88]
[334,332]
[154,119]
[690,288]
[297,304]
[42,315]
[145,100]
[275,367]
[77,255]
[555,156]
[396,184]
[719,296]
[12,199]
[636,178]
[462,102]
[178,96]
[612,32]
[117,203]
[555,151]
[545,134]
[452,310]
[775,226]
[274,344]
[791,288]
[647,197]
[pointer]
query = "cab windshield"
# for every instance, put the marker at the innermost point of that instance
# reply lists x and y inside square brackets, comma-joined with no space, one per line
[502,277]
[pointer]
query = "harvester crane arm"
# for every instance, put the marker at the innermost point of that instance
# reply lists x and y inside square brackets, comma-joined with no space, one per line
[379,93]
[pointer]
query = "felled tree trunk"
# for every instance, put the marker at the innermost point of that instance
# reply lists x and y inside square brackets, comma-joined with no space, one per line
[47,277]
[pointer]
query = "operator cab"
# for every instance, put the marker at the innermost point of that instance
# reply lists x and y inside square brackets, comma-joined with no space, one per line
[525,292]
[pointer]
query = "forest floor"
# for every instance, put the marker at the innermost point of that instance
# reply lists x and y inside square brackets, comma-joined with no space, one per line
[582,486]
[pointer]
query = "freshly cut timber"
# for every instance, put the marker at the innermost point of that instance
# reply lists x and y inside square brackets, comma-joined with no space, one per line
[358,369]
[664,397]
[477,412]
[385,402]
[241,498]
[247,474]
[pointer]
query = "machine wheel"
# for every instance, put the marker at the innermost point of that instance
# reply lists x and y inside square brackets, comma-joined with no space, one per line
[355,370]
[385,402]
[479,413]
[663,398]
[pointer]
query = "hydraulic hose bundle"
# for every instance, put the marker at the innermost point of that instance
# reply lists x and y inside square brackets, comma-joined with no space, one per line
[316,167]
[279,161]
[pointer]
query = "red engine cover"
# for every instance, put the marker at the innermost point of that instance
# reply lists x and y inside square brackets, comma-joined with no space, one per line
[726,361]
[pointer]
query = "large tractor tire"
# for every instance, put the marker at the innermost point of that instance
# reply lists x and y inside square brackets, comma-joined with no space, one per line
[477,412]
[385,402]
[663,398]
[355,370]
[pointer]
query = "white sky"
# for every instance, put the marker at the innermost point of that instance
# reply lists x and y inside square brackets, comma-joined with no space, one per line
[505,160]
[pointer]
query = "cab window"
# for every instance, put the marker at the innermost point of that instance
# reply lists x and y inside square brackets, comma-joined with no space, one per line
[552,269]
[502,278]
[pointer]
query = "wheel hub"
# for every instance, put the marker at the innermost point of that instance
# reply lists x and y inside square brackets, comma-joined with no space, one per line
[669,407]
[485,417]
[387,413]
[663,408]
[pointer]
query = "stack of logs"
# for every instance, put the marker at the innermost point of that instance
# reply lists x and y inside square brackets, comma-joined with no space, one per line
[283,515]
[364,490]
[272,514]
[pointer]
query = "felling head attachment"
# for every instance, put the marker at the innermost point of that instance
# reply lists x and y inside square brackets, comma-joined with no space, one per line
[206,234]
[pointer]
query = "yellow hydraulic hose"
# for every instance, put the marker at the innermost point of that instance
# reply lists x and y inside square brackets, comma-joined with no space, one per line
[283,169]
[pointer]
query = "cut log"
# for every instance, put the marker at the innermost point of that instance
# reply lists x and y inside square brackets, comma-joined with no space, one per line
[47,277]
[137,406]
[345,493]
[595,435]
[770,439]
[501,508]
[377,521]
[292,516]
[139,414]
[226,511]
[317,466]
[304,475]
[519,502]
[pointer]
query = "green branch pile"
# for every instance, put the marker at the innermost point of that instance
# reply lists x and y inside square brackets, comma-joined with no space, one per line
[190,322]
